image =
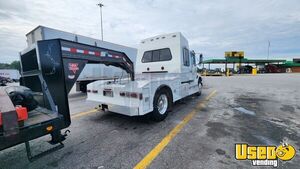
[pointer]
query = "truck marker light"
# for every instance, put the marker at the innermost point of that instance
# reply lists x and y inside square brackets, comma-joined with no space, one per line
[49,128]
[88,90]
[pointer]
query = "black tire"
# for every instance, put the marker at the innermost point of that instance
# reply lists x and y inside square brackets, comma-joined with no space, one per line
[155,114]
[200,91]
[23,98]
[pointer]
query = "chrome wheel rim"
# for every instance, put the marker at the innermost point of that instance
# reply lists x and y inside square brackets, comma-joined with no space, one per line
[162,104]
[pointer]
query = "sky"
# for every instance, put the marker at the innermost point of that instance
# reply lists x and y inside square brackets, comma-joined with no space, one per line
[211,26]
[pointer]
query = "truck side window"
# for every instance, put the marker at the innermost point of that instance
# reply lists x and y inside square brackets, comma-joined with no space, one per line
[147,57]
[165,54]
[186,58]
[157,55]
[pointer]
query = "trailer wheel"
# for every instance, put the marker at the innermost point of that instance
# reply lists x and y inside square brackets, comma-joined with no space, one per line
[200,85]
[161,105]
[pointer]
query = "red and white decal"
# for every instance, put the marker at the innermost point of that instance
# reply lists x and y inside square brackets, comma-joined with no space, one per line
[88,52]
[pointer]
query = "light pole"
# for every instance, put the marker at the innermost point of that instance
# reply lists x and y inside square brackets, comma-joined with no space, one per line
[101,5]
[269,44]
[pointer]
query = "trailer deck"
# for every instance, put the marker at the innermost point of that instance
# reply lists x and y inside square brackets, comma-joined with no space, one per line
[40,115]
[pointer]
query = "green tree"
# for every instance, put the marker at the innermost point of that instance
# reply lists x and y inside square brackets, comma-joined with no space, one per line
[4,66]
[15,65]
[12,65]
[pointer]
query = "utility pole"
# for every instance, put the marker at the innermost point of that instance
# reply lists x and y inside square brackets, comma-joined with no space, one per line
[101,5]
[269,44]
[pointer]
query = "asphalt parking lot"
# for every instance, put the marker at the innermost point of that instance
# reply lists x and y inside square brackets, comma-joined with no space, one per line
[206,140]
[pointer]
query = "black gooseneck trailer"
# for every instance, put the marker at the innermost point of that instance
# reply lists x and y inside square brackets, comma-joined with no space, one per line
[49,70]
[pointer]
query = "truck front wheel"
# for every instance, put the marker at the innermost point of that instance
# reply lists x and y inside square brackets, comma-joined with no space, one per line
[161,105]
[200,85]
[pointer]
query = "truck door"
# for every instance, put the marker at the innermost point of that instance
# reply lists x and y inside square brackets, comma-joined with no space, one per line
[187,72]
[193,64]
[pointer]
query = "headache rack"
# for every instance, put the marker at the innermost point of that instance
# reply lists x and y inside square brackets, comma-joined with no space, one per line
[49,70]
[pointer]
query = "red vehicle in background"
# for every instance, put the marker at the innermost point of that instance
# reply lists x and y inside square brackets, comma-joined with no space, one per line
[274,69]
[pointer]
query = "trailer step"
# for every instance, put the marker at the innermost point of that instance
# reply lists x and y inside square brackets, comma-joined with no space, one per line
[57,138]
[32,158]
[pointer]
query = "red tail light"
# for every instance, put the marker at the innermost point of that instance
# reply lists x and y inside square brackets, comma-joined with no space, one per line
[132,95]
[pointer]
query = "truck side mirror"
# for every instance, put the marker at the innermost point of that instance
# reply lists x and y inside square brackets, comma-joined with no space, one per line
[200,59]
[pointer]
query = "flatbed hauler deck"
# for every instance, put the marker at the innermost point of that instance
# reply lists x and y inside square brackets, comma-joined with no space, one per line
[166,71]
[49,70]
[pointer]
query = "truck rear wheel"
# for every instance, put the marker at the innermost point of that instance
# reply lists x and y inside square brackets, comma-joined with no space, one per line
[161,105]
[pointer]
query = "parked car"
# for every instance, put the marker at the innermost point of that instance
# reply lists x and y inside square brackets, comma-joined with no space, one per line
[3,81]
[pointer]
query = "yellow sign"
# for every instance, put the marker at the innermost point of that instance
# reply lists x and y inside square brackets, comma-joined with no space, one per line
[264,155]
[254,71]
[235,54]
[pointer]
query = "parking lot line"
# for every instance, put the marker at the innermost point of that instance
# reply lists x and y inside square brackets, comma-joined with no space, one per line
[84,113]
[146,161]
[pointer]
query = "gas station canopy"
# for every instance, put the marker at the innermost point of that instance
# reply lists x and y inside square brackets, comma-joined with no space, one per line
[243,60]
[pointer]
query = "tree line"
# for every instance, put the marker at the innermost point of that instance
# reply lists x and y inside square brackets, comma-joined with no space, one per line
[12,65]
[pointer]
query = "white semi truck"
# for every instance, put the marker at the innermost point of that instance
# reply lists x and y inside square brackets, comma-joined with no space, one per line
[166,71]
